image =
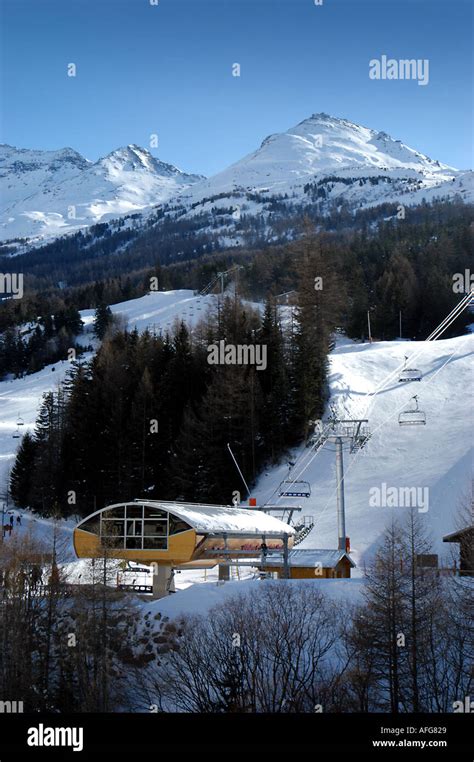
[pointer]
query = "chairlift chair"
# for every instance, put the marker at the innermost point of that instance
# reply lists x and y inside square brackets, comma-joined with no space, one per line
[413,416]
[289,488]
[409,374]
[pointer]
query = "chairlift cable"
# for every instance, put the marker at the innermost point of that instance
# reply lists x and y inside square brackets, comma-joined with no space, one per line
[317,447]
[439,330]
[238,468]
[436,333]
[383,423]
[463,303]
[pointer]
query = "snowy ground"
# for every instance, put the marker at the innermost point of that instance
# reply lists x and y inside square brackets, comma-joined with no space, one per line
[436,457]
[199,598]
[159,310]
[20,399]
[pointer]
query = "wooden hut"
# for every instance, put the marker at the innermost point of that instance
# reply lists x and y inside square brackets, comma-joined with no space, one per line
[313,564]
[465,538]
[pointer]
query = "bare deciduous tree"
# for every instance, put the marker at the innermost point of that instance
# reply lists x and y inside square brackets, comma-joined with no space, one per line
[268,651]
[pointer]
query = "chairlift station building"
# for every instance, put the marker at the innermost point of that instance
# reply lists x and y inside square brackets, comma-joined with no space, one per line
[173,535]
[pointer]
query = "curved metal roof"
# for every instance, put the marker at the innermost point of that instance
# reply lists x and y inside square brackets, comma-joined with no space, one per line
[214,519]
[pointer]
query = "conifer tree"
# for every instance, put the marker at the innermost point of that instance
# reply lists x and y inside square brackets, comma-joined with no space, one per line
[46,482]
[320,300]
[102,320]
[22,472]
[274,382]
[82,450]
[397,291]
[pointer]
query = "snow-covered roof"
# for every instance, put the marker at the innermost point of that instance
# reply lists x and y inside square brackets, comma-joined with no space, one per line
[319,557]
[210,519]
[459,534]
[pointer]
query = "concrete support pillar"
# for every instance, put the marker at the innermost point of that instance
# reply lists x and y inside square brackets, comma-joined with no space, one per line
[162,581]
[171,585]
[224,572]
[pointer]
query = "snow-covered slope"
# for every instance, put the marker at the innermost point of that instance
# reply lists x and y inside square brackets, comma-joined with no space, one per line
[48,193]
[436,458]
[157,311]
[324,159]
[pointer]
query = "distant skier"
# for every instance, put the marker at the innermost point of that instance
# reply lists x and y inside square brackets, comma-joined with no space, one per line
[11,521]
[18,520]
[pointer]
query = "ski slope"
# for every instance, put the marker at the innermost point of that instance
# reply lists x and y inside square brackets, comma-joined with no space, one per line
[436,457]
[158,311]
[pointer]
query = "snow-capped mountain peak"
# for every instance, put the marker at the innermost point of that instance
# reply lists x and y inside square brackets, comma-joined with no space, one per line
[47,193]
[324,143]
[133,158]
[129,157]
[321,161]
[25,159]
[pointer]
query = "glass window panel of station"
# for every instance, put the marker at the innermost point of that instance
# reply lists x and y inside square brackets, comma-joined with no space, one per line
[177,525]
[114,513]
[133,543]
[155,513]
[112,528]
[134,511]
[155,528]
[134,527]
[91,525]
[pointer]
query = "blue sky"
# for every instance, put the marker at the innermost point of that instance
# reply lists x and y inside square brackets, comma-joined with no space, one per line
[167,69]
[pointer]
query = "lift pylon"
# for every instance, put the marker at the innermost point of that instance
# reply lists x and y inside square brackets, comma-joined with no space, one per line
[342,431]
